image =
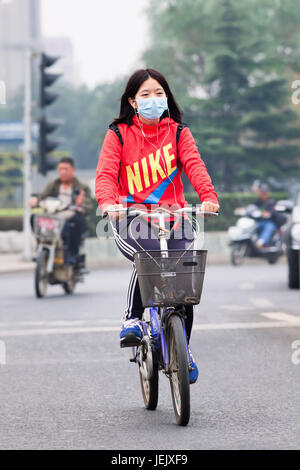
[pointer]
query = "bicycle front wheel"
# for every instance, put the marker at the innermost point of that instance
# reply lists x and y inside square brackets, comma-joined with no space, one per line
[148,371]
[178,370]
[41,275]
[150,389]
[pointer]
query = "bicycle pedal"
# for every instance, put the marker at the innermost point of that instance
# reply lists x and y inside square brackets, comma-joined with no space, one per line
[133,359]
[130,340]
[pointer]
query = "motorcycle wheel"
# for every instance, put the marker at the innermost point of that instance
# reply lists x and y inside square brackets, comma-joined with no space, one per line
[69,286]
[272,258]
[238,253]
[41,275]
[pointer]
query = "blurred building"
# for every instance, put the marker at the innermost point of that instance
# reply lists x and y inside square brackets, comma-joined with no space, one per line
[19,23]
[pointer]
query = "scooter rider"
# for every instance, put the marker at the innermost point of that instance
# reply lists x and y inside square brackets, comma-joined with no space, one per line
[69,190]
[271,219]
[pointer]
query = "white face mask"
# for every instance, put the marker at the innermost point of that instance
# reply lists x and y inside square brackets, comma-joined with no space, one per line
[152,108]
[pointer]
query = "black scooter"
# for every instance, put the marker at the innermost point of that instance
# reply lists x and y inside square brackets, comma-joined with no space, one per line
[244,235]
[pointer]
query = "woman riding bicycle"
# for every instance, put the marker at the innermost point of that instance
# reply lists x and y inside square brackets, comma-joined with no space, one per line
[141,162]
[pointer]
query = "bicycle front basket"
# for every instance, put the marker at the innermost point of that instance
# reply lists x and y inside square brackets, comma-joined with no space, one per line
[173,280]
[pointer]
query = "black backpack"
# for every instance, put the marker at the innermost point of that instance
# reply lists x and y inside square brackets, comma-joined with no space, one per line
[115,128]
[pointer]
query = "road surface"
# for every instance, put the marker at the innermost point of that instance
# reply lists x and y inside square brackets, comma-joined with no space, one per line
[66,384]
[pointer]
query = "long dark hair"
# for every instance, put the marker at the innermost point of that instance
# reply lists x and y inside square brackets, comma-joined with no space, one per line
[132,87]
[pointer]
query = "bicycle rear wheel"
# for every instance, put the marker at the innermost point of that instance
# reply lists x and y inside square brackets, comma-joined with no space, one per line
[178,370]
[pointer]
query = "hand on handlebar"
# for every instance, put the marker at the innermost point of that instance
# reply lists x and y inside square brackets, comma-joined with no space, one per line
[114,214]
[79,199]
[208,206]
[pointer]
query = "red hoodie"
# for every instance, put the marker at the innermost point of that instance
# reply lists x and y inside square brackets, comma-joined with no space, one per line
[138,173]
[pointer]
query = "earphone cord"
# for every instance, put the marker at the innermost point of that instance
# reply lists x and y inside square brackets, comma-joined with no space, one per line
[164,165]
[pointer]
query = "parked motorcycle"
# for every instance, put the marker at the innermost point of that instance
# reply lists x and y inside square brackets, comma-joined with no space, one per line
[50,264]
[244,235]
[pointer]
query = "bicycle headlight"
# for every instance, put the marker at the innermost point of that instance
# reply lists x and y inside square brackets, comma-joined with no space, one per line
[295,232]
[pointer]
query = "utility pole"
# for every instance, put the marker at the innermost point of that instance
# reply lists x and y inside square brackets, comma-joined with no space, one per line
[27,253]
[27,176]
[29,49]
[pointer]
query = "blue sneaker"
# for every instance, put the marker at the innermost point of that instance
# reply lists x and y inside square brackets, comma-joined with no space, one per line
[194,372]
[131,333]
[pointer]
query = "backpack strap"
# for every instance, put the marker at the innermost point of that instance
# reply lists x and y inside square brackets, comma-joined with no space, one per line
[115,128]
[181,125]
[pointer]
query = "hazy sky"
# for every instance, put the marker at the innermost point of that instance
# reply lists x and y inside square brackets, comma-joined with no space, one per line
[108,36]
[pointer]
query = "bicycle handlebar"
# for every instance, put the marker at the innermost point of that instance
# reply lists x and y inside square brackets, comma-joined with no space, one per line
[161,213]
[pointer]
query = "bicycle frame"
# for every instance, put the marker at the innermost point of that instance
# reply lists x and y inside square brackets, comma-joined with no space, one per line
[158,326]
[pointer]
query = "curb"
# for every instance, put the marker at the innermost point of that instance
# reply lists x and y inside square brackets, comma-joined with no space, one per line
[111,263]
[103,253]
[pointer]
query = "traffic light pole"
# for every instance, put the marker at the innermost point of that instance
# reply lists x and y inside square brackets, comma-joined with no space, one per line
[46,146]
[27,252]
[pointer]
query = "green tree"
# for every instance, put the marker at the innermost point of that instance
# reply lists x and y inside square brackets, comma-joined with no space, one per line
[230,63]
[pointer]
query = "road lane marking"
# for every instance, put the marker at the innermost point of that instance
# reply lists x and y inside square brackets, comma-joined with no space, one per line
[286,317]
[245,325]
[58,323]
[111,329]
[260,302]
[247,286]
[235,308]
[58,331]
